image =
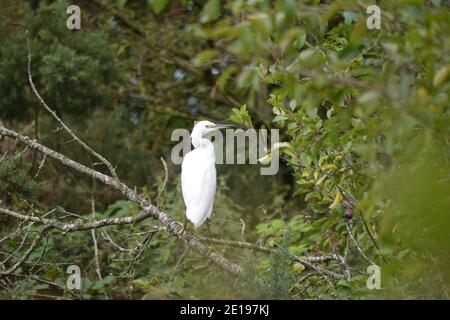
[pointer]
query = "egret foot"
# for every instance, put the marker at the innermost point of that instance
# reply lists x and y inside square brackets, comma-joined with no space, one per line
[210,249]
[182,226]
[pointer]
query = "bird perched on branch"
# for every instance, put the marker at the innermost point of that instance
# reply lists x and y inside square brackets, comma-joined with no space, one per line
[198,174]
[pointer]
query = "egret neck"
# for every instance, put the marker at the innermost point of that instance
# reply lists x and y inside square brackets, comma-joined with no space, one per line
[199,142]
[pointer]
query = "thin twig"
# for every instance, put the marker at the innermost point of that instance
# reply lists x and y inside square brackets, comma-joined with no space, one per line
[140,251]
[307,261]
[58,119]
[97,264]
[358,247]
[108,238]
[162,188]
[27,253]
[242,229]
[41,165]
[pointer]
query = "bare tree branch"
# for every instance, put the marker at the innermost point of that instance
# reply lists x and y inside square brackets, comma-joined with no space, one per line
[307,261]
[58,119]
[148,210]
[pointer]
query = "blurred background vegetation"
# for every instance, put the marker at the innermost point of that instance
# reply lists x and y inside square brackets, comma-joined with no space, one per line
[364,112]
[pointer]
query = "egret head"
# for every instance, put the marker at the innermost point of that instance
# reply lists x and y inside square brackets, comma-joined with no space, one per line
[204,127]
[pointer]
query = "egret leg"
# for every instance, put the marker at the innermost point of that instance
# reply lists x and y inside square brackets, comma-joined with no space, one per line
[209,233]
[210,244]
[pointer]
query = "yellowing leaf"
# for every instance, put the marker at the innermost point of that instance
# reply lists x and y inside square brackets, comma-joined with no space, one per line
[441,75]
[330,166]
[432,107]
[337,200]
[422,93]
[298,267]
[266,159]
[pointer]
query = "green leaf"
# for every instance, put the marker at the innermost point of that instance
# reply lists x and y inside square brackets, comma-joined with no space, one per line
[262,23]
[271,227]
[205,57]
[225,76]
[313,195]
[241,116]
[350,16]
[211,11]
[289,37]
[121,3]
[158,5]
[141,283]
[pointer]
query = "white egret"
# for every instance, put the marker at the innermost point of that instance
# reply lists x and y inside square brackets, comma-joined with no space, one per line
[198,174]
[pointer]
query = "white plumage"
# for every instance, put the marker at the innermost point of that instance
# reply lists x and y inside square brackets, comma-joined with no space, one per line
[198,179]
[198,174]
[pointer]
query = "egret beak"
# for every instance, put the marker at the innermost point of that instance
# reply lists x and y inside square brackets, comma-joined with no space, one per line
[224,126]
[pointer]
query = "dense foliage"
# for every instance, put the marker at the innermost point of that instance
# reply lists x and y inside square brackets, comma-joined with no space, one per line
[363,114]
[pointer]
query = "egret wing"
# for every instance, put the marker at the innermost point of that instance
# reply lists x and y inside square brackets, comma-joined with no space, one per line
[198,183]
